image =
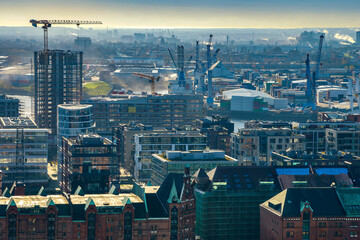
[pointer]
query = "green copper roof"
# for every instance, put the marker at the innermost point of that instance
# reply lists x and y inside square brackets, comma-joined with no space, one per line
[6,193]
[350,200]
[89,202]
[11,203]
[79,191]
[173,196]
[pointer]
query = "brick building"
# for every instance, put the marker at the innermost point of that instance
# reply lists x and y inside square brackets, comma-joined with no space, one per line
[165,212]
[311,213]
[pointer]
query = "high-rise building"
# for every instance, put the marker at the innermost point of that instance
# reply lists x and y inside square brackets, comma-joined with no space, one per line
[89,161]
[58,80]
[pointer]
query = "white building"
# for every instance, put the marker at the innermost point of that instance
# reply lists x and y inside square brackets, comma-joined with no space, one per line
[147,144]
[243,99]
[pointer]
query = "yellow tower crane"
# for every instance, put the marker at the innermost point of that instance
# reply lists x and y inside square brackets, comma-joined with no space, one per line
[152,80]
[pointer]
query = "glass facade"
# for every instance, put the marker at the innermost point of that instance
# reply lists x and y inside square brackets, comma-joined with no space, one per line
[23,155]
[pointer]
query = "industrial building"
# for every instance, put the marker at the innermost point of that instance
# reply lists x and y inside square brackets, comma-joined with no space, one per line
[58,80]
[24,156]
[165,111]
[176,161]
[89,161]
[9,106]
[147,144]
[250,100]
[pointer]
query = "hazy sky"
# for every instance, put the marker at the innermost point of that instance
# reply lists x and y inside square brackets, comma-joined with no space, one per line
[187,13]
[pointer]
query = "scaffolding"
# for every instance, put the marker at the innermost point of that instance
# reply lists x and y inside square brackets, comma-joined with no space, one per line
[58,80]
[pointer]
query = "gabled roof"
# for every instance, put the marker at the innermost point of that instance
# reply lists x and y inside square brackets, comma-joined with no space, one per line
[323,201]
[243,177]
[200,174]
[165,189]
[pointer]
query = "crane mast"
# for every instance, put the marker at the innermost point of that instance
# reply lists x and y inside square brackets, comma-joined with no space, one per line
[48,23]
[318,59]
[152,80]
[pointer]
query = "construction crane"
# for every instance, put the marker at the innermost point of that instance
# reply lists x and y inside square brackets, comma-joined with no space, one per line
[152,80]
[47,23]
[208,56]
[310,100]
[318,59]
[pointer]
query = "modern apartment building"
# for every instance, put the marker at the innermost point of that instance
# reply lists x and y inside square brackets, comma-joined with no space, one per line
[314,132]
[343,139]
[157,110]
[254,146]
[147,144]
[89,161]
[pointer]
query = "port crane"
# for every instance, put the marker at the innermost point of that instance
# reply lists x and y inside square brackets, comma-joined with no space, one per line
[311,80]
[48,23]
[152,80]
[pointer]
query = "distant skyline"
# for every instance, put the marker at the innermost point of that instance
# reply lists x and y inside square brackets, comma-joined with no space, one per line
[188,13]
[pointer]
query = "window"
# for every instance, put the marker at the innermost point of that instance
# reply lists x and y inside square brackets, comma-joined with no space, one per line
[306,235]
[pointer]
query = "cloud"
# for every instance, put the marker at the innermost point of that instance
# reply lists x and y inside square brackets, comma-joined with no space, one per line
[344,37]
[291,38]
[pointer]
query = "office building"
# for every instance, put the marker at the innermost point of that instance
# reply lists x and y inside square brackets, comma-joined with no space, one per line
[176,161]
[311,213]
[147,144]
[89,161]
[343,139]
[254,146]
[157,110]
[23,156]
[58,80]
[9,106]
[162,212]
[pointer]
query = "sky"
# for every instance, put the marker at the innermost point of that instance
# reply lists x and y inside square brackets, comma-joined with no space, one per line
[187,13]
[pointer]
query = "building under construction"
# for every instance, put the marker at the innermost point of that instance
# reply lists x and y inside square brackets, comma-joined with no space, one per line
[58,80]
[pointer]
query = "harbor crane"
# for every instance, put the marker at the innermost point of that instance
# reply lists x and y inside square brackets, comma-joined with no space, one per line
[152,80]
[48,23]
